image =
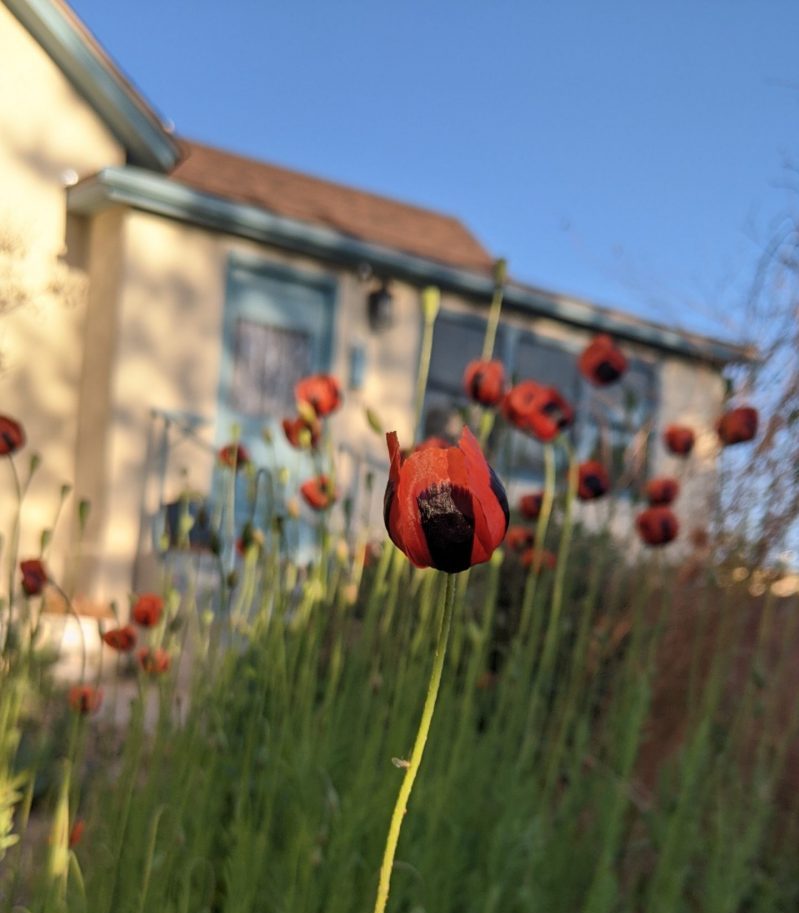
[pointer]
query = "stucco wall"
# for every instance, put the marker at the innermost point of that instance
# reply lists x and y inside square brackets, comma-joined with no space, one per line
[46,129]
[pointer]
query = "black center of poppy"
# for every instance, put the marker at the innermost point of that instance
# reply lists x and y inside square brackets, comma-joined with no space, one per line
[606,372]
[447,516]
[594,485]
[666,531]
[477,383]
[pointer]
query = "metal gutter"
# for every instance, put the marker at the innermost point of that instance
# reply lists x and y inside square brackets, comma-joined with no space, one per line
[156,194]
[94,76]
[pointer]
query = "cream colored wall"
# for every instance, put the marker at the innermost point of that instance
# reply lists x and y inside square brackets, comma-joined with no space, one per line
[45,130]
[167,346]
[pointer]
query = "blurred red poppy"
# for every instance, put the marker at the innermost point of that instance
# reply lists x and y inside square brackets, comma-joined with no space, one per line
[679,439]
[602,362]
[85,699]
[544,558]
[234,456]
[76,832]
[657,525]
[540,411]
[663,490]
[301,433]
[321,392]
[34,576]
[12,435]
[530,505]
[147,610]
[593,481]
[518,537]
[484,382]
[122,639]
[737,426]
[444,507]
[153,660]
[318,492]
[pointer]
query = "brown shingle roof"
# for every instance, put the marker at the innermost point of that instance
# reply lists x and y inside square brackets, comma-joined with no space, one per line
[356,213]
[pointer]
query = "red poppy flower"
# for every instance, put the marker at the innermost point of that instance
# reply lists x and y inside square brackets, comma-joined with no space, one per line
[518,537]
[321,392]
[593,481]
[737,426]
[662,491]
[530,505]
[301,433]
[679,439]
[601,362]
[34,576]
[444,507]
[540,411]
[318,492]
[234,456]
[122,639]
[657,525]
[484,381]
[12,435]
[85,699]
[147,610]
[76,832]
[153,660]
[546,558]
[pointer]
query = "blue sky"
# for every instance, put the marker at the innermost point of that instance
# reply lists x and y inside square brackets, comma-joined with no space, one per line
[633,154]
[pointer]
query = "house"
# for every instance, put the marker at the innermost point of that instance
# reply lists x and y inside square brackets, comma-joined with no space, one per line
[211,282]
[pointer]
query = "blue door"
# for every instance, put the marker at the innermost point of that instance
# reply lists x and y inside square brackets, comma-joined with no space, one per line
[278,326]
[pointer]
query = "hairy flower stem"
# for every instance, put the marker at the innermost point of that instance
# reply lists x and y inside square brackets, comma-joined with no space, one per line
[500,274]
[418,746]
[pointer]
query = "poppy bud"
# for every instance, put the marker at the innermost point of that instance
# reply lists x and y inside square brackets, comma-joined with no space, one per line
[484,382]
[147,610]
[34,576]
[444,507]
[122,639]
[543,557]
[12,435]
[234,456]
[657,525]
[601,362]
[679,439]
[662,491]
[301,433]
[318,492]
[153,661]
[518,537]
[530,505]
[85,699]
[737,426]
[321,392]
[540,411]
[593,481]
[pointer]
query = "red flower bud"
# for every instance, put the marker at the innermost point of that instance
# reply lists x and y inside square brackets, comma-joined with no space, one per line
[147,610]
[657,525]
[540,411]
[530,505]
[318,492]
[679,439]
[85,699]
[601,362]
[518,538]
[484,382]
[294,429]
[321,392]
[444,507]
[34,576]
[737,426]
[593,481]
[12,435]
[662,491]
[122,639]
[153,660]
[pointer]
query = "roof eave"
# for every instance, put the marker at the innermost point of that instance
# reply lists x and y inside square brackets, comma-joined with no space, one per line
[125,113]
[153,193]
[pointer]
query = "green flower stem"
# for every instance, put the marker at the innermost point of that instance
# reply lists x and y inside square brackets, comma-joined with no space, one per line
[13,548]
[431,302]
[418,746]
[500,273]
[540,538]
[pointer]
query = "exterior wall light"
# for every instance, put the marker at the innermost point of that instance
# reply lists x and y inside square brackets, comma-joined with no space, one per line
[381,308]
